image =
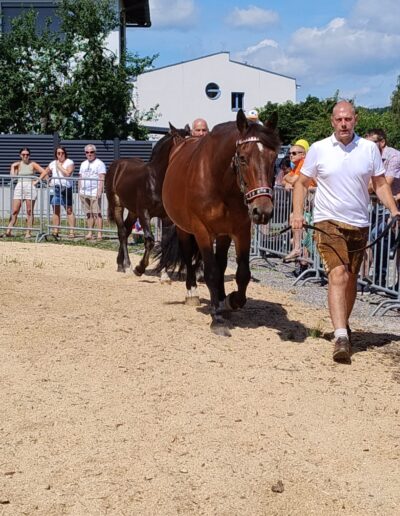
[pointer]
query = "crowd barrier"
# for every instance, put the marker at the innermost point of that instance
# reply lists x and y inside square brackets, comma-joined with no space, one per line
[380,271]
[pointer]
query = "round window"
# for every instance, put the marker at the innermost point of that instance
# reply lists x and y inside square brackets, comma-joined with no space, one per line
[212,91]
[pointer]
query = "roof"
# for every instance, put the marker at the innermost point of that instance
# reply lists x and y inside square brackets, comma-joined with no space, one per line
[216,54]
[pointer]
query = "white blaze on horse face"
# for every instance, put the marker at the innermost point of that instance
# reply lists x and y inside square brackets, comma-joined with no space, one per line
[260,147]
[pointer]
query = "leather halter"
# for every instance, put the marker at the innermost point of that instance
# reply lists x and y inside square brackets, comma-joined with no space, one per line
[250,195]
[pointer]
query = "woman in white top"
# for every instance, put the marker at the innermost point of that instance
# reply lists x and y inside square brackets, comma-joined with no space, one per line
[60,170]
[24,190]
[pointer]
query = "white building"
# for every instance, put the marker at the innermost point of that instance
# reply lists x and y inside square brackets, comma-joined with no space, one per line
[132,13]
[212,87]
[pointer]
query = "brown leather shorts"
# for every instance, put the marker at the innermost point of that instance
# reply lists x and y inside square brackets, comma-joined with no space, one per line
[336,244]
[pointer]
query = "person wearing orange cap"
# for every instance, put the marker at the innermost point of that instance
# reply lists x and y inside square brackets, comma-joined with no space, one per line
[297,155]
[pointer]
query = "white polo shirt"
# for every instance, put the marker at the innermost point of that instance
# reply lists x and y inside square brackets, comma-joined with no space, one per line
[343,173]
[89,173]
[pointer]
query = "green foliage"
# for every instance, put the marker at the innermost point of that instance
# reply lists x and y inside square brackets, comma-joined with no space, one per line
[69,82]
[311,119]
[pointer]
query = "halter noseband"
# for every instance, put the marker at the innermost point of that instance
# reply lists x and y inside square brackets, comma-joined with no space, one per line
[262,191]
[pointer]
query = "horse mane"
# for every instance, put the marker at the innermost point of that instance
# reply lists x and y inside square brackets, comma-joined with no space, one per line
[266,135]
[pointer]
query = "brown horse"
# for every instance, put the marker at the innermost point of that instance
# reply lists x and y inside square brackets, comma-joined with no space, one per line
[135,185]
[214,188]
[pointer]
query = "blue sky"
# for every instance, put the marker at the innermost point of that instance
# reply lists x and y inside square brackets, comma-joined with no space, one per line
[348,45]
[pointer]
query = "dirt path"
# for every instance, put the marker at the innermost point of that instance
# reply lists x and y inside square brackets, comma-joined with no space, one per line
[117,399]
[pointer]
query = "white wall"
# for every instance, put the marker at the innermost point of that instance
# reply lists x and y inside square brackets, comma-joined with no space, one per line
[180,90]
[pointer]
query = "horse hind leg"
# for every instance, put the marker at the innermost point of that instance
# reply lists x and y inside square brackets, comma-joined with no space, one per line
[123,261]
[148,245]
[188,247]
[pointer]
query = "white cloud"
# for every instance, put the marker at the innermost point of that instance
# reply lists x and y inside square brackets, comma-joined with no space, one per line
[339,47]
[382,16]
[269,55]
[173,14]
[251,18]
[357,56]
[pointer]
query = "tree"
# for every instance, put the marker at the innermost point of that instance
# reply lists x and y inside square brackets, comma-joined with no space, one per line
[311,119]
[69,82]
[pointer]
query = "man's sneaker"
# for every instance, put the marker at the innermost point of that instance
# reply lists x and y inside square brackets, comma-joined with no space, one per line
[342,350]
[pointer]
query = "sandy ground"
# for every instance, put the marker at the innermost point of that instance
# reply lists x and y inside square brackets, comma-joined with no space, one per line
[117,399]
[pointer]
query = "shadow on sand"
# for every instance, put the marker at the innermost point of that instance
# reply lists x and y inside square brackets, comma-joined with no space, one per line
[257,313]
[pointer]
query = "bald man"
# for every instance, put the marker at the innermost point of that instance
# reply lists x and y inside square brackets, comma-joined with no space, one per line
[342,164]
[199,127]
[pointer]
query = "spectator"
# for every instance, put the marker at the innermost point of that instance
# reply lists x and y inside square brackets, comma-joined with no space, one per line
[199,127]
[91,184]
[24,190]
[252,116]
[343,164]
[297,155]
[391,163]
[60,170]
[283,169]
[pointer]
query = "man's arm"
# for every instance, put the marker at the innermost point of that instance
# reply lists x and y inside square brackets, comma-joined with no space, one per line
[384,193]
[299,194]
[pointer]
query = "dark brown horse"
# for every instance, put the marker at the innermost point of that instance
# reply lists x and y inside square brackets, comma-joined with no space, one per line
[214,188]
[134,185]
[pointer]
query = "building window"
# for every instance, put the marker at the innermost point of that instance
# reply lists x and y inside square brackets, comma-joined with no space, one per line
[44,9]
[237,100]
[212,91]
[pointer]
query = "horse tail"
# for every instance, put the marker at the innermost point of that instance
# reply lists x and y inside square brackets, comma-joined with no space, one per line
[170,251]
[109,189]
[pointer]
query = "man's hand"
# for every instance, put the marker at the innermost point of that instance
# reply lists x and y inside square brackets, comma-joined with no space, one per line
[297,222]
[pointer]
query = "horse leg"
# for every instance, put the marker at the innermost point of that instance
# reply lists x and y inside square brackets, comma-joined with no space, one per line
[188,248]
[212,277]
[221,255]
[123,261]
[164,276]
[237,299]
[144,220]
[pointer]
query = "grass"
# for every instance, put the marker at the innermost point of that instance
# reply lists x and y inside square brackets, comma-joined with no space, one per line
[316,332]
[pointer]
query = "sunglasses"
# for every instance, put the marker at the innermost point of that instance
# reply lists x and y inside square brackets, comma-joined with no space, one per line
[60,152]
[24,154]
[295,153]
[89,152]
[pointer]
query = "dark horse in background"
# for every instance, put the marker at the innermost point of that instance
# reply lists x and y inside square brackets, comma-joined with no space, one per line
[214,188]
[132,184]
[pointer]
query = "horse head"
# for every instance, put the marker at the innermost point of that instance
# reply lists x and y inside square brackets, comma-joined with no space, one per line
[254,160]
[178,135]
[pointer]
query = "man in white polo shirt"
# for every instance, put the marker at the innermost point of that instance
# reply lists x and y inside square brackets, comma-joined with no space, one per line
[91,184]
[342,164]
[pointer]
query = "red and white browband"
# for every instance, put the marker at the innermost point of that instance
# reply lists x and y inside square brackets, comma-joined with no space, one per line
[262,191]
[250,139]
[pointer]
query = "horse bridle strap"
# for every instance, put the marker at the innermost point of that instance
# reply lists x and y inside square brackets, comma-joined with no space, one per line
[262,191]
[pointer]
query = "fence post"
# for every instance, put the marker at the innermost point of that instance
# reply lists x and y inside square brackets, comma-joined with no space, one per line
[116,148]
[56,141]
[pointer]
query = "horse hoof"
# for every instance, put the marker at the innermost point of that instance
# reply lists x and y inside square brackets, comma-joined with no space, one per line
[192,301]
[137,271]
[220,329]
[165,279]
[120,269]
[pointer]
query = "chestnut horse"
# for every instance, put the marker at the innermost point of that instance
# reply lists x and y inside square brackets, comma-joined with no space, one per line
[214,188]
[135,185]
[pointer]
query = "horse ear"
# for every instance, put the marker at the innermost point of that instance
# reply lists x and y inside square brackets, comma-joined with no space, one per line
[272,121]
[241,121]
[172,129]
[187,129]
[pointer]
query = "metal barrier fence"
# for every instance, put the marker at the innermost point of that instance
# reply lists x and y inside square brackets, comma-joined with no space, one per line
[39,217]
[380,271]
